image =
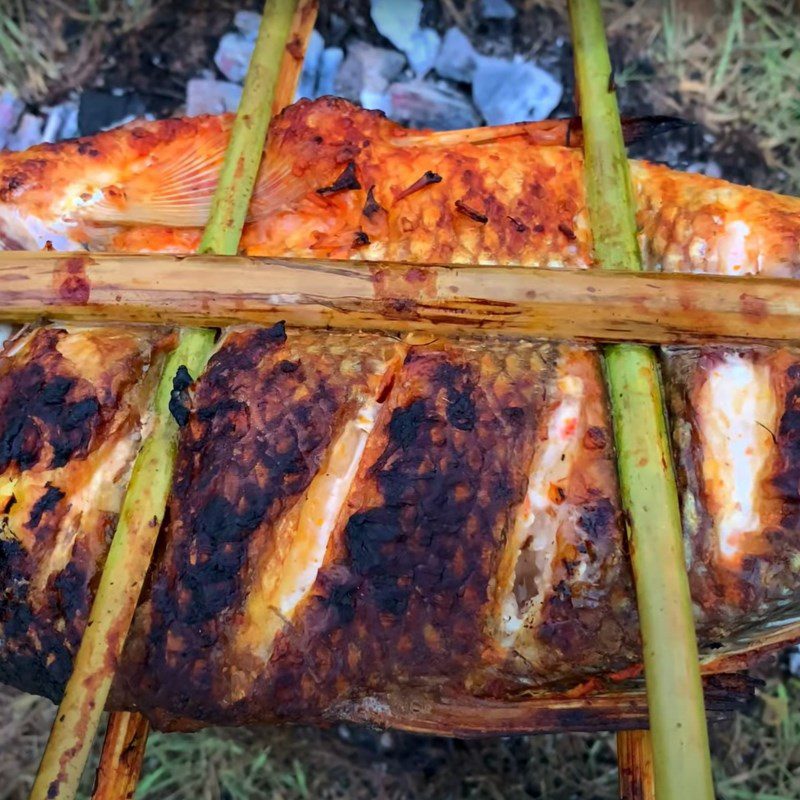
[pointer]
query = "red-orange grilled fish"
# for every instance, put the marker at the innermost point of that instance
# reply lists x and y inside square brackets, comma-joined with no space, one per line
[368,528]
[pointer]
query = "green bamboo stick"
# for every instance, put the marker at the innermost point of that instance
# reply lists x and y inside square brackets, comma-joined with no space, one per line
[678,725]
[142,511]
[121,581]
[242,159]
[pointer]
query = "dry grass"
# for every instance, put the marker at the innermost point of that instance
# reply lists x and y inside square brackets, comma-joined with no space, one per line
[736,65]
[732,65]
[51,46]
[757,757]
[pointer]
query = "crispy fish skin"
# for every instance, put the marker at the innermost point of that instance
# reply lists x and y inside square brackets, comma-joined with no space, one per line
[403,593]
[471,544]
[338,181]
[72,404]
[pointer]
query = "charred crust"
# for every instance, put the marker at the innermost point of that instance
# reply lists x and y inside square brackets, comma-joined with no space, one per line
[519,227]
[47,502]
[347,181]
[404,597]
[178,398]
[595,438]
[86,148]
[371,205]
[567,231]
[43,407]
[236,472]
[360,239]
[471,213]
[428,179]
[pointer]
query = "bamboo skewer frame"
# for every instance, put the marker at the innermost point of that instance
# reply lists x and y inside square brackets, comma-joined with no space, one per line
[143,507]
[635,761]
[592,305]
[659,309]
[681,756]
[122,756]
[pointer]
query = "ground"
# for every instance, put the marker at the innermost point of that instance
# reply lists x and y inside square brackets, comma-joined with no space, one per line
[733,67]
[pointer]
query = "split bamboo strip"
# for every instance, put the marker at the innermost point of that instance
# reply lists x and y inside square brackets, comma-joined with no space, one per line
[558,304]
[121,758]
[681,757]
[143,508]
[294,54]
[635,761]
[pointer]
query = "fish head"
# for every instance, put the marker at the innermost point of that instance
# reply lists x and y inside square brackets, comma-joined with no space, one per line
[46,197]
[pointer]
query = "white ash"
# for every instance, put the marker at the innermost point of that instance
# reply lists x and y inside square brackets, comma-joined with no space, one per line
[329,65]
[457,60]
[513,91]
[247,23]
[793,661]
[5,332]
[27,133]
[233,56]
[309,76]
[399,22]
[496,9]
[11,108]
[209,96]
[366,73]
[421,104]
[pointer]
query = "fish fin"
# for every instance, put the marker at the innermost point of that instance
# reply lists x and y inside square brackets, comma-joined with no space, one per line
[172,186]
[277,189]
[549,132]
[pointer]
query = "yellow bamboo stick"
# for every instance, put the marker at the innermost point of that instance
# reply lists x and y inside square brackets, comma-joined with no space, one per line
[597,305]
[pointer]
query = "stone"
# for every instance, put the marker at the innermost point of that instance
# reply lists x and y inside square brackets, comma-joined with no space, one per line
[307,85]
[457,58]
[496,9]
[11,108]
[247,23]
[27,133]
[420,104]
[399,22]
[366,73]
[329,64]
[233,56]
[513,91]
[208,96]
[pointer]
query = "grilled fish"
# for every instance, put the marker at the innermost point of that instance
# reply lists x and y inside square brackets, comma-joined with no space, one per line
[362,526]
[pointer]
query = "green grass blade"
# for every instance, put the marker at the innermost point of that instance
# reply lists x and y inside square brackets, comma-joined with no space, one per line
[682,761]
